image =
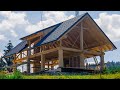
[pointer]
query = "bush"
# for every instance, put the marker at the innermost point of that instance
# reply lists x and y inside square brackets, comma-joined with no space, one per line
[2,76]
[16,75]
[111,70]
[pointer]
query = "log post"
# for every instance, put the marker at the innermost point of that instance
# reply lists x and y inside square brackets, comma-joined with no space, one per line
[42,62]
[82,61]
[14,64]
[102,62]
[60,56]
[48,65]
[81,47]
[28,59]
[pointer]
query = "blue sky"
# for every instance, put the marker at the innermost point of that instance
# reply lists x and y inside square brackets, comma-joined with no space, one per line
[17,24]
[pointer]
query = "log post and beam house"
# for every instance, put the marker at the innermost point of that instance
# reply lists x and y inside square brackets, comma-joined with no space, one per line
[65,45]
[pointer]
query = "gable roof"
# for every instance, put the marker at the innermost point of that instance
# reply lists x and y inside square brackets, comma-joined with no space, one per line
[103,33]
[63,27]
[45,31]
[54,33]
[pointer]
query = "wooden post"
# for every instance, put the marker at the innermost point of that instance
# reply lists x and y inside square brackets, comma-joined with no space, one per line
[52,67]
[101,62]
[60,55]
[42,62]
[48,65]
[14,64]
[82,61]
[81,37]
[20,55]
[81,47]
[28,59]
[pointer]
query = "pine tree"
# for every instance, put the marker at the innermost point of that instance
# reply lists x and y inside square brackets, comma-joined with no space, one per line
[8,48]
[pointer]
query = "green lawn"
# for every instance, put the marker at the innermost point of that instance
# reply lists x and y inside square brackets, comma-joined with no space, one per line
[18,75]
[97,76]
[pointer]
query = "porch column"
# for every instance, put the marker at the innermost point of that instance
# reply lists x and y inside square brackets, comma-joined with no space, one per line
[60,57]
[81,47]
[14,64]
[82,61]
[28,59]
[42,62]
[102,62]
[28,65]
[48,65]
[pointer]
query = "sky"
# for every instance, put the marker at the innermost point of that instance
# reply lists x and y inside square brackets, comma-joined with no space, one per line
[17,24]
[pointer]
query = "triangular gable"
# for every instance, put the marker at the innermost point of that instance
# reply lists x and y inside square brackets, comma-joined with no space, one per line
[59,31]
[66,26]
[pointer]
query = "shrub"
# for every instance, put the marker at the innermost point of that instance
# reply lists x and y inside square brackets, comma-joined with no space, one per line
[111,70]
[16,75]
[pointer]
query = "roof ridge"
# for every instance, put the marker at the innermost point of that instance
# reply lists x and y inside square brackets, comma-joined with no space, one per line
[52,26]
[78,18]
[48,34]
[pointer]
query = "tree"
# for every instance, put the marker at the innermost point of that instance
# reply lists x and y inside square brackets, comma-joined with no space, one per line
[2,64]
[8,59]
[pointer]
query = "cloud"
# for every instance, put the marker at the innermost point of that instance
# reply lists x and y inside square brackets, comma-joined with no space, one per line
[110,24]
[13,33]
[12,20]
[50,18]
[2,37]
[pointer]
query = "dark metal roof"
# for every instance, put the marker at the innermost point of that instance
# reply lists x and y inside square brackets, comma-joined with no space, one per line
[46,31]
[60,30]
[18,48]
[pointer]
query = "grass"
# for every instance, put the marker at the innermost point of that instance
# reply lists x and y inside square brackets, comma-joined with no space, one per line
[45,76]
[96,76]
[15,75]
[111,73]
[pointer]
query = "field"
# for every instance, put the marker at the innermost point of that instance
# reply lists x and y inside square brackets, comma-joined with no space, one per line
[63,76]
[111,73]
[97,76]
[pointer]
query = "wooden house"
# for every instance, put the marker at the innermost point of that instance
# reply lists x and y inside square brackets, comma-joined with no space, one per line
[66,44]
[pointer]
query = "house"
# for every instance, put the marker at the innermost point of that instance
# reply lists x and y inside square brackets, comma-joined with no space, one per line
[66,44]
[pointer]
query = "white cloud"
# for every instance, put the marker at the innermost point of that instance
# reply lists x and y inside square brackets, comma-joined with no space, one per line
[13,33]
[2,37]
[11,21]
[110,24]
[50,18]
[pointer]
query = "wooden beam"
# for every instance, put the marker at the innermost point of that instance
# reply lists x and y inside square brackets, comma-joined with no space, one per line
[92,52]
[81,37]
[34,36]
[14,68]
[48,65]
[60,56]
[28,59]
[19,60]
[71,49]
[44,52]
[42,62]
[102,62]
[82,60]
[49,51]
[73,26]
[81,47]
